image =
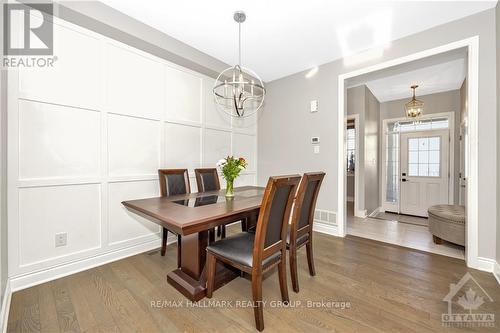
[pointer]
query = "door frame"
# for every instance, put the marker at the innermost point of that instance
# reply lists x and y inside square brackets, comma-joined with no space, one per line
[357,183]
[451,163]
[472,46]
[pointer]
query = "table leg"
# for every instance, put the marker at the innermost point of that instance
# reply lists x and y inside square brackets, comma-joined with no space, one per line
[190,278]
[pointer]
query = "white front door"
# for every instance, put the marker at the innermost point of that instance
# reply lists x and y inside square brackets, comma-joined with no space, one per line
[424,170]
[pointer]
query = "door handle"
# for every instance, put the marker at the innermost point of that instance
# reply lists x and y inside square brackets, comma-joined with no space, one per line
[404,180]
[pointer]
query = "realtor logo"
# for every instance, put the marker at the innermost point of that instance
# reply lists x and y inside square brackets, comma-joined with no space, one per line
[28,29]
[468,296]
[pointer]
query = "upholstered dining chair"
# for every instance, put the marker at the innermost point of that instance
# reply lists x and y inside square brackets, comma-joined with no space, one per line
[301,228]
[256,253]
[173,182]
[207,179]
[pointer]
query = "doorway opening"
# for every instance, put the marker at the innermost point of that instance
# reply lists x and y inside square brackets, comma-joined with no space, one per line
[426,162]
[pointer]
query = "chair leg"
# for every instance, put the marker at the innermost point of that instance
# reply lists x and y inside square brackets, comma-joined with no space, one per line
[211,235]
[293,268]
[211,266]
[282,277]
[257,300]
[244,225]
[164,242]
[179,251]
[223,231]
[310,260]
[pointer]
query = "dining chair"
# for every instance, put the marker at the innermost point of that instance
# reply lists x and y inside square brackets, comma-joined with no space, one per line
[173,182]
[207,179]
[301,228]
[257,253]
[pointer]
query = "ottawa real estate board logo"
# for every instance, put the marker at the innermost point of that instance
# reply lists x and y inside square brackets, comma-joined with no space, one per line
[466,299]
[28,35]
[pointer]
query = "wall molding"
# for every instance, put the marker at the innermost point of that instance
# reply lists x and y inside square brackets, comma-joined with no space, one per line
[4,312]
[484,264]
[31,279]
[324,228]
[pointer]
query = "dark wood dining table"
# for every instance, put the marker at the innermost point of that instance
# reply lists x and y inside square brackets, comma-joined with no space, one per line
[192,216]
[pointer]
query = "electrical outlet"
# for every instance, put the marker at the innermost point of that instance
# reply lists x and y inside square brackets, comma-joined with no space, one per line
[61,239]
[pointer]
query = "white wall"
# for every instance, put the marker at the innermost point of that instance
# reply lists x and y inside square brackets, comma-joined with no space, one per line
[92,132]
[287,110]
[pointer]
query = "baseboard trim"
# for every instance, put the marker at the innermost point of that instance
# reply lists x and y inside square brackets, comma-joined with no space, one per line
[375,212]
[360,213]
[496,271]
[328,229]
[31,279]
[4,314]
[483,264]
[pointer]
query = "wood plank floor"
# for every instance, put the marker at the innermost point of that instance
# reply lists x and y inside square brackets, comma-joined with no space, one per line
[388,288]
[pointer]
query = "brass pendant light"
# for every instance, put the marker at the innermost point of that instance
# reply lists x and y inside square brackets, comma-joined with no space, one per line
[414,108]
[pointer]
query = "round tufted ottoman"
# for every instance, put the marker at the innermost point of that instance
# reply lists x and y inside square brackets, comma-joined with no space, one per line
[447,222]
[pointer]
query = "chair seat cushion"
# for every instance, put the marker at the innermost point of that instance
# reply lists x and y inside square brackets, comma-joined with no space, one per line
[239,248]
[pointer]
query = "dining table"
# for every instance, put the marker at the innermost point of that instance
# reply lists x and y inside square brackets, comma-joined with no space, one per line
[192,216]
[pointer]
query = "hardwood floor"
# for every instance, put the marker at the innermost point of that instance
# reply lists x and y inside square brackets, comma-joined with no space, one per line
[405,234]
[388,288]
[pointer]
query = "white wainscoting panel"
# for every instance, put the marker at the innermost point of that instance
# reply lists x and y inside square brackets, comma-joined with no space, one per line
[183,95]
[57,141]
[245,146]
[246,124]
[134,83]
[214,117]
[217,145]
[183,146]
[123,224]
[245,179]
[46,211]
[133,145]
[92,132]
[76,76]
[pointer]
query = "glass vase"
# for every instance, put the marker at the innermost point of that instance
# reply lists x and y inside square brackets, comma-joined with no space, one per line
[230,188]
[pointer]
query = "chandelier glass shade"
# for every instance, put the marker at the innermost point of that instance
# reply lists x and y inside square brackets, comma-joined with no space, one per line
[414,108]
[239,91]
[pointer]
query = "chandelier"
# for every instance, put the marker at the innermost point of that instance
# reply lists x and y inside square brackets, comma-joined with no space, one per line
[414,108]
[239,91]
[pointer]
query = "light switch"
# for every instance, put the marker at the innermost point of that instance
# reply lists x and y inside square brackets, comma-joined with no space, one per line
[316,149]
[314,105]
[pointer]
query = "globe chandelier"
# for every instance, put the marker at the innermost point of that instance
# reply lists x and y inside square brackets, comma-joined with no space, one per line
[239,91]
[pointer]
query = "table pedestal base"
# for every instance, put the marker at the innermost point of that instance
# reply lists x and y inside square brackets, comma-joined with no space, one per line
[194,289]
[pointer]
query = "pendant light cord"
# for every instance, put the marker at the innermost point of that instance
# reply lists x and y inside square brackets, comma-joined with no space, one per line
[239,44]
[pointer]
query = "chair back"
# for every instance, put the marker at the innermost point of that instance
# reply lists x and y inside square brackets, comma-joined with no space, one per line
[272,224]
[174,182]
[305,203]
[207,179]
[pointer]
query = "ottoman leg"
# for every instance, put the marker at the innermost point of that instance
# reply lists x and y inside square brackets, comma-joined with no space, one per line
[437,240]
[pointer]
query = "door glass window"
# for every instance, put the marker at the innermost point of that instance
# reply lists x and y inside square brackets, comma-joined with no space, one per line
[424,156]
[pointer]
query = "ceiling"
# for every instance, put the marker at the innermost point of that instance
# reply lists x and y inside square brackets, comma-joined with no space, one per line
[282,37]
[443,72]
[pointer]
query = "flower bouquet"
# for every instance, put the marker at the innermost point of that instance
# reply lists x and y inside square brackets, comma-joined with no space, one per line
[231,168]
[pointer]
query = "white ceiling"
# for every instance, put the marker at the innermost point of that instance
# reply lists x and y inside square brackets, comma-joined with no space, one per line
[439,73]
[431,80]
[282,37]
